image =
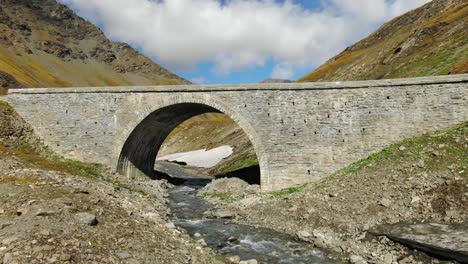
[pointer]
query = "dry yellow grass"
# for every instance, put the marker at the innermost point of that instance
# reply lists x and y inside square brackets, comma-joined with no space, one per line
[25,180]
[460,68]
[455,13]
[28,72]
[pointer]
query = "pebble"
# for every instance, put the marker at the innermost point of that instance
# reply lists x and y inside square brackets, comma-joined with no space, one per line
[88,219]
[123,255]
[5,224]
[250,261]
[388,258]
[303,234]
[7,258]
[44,232]
[170,225]
[385,202]
[225,214]
[415,199]
[7,241]
[202,242]
[65,257]
[234,259]
[43,212]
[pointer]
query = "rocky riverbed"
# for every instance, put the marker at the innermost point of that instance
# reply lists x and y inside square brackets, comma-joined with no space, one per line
[419,180]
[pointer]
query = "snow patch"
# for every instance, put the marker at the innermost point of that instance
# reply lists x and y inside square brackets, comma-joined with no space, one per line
[201,158]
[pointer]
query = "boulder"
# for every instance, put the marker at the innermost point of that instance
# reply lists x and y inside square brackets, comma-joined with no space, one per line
[88,219]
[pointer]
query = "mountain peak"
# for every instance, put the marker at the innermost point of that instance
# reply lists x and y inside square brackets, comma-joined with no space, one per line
[45,44]
[430,40]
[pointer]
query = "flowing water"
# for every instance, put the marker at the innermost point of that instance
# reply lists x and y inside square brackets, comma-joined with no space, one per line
[227,238]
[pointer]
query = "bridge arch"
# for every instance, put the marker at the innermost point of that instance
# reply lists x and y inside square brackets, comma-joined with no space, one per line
[139,143]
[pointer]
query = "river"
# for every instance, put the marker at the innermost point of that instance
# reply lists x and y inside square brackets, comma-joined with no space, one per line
[230,239]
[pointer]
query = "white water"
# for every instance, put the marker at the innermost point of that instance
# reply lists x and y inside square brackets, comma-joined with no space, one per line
[201,158]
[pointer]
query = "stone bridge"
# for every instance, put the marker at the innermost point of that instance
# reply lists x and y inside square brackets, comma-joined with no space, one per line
[301,132]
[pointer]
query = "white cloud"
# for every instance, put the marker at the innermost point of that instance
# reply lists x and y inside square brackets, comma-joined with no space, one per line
[283,71]
[376,10]
[239,34]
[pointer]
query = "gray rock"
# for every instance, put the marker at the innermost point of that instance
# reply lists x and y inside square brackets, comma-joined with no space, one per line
[7,241]
[415,199]
[250,261]
[225,214]
[4,224]
[385,202]
[233,240]
[123,255]
[420,164]
[388,258]
[7,258]
[65,257]
[45,212]
[234,259]
[303,234]
[440,240]
[202,242]
[88,219]
[355,259]
[407,260]
[170,225]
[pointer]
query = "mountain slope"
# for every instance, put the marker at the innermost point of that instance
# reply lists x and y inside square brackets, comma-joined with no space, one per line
[430,40]
[44,44]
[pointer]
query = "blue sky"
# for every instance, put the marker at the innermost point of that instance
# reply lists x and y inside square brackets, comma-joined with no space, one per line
[239,41]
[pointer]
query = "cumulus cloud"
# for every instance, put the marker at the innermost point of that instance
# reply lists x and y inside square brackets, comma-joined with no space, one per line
[239,34]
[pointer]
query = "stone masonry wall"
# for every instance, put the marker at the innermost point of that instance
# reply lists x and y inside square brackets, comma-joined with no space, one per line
[301,132]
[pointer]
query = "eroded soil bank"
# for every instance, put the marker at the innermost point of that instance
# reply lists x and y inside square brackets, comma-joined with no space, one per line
[422,179]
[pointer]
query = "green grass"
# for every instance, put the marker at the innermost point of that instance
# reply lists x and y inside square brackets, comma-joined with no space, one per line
[4,105]
[245,162]
[50,161]
[440,63]
[287,191]
[228,197]
[415,148]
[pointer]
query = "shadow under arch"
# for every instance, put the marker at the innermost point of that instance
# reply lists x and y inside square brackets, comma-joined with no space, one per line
[138,154]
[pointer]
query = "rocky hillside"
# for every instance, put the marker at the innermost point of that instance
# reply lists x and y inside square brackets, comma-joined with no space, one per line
[45,44]
[430,40]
